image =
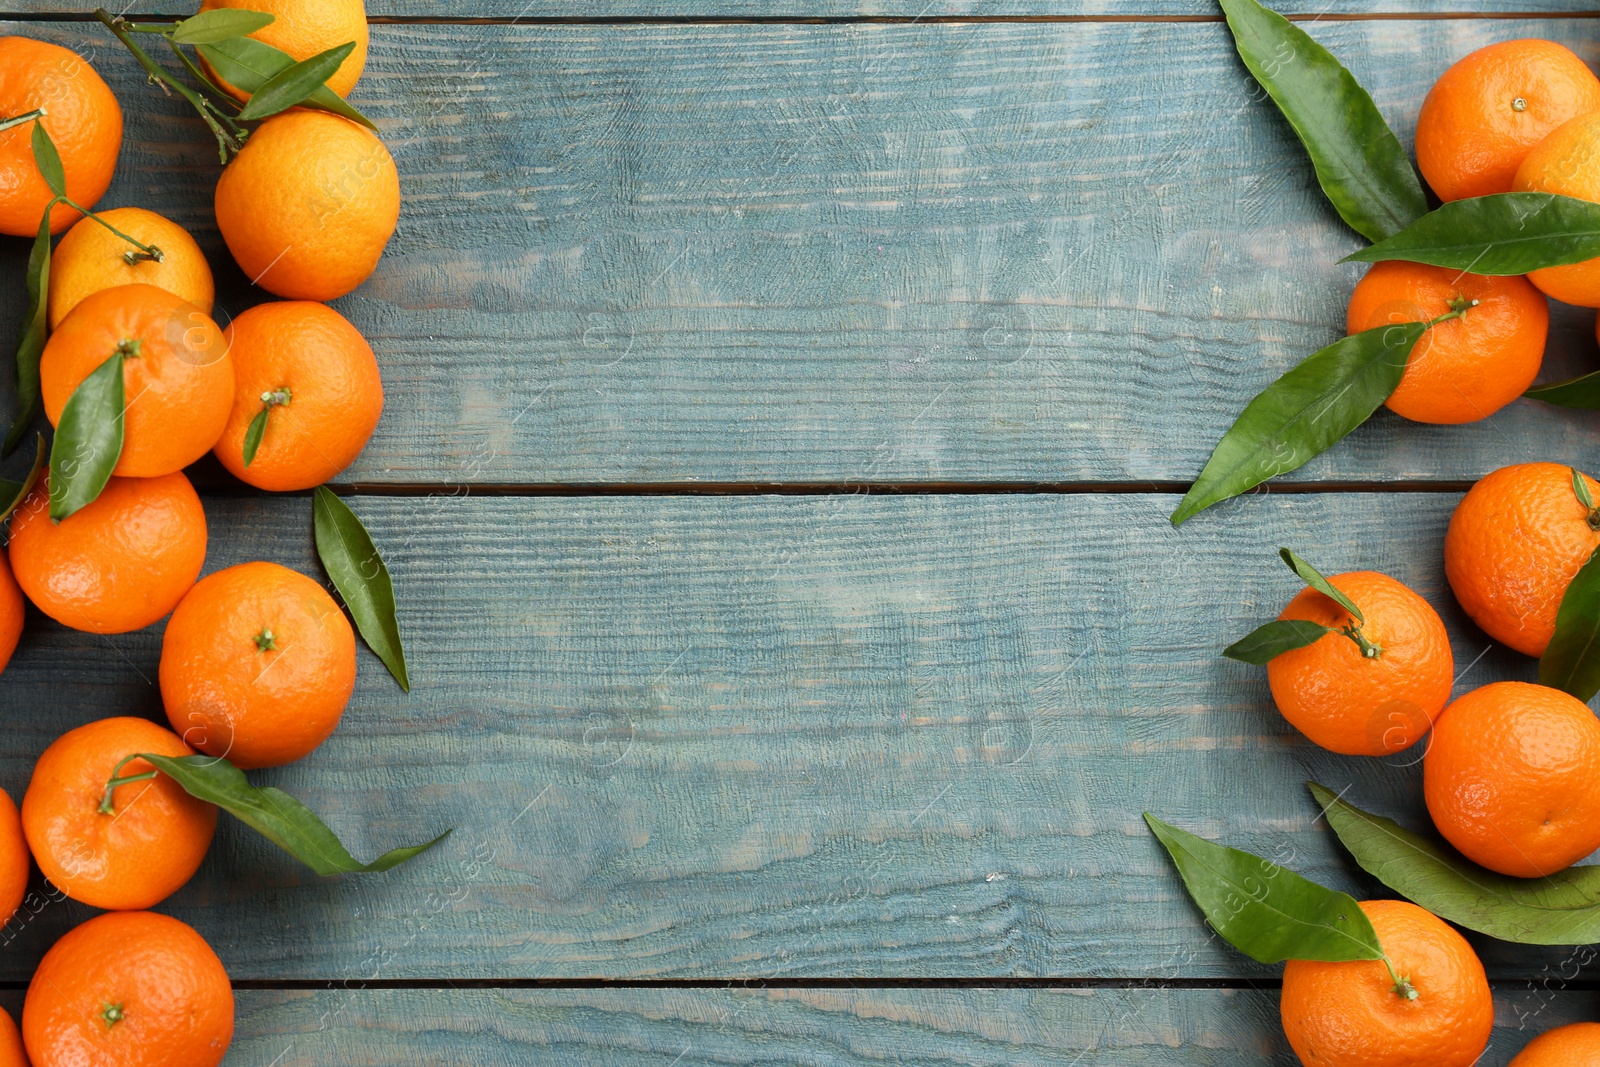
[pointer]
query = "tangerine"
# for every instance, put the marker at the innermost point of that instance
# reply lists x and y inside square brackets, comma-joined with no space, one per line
[309,204]
[129,989]
[1567,162]
[316,378]
[1465,368]
[12,1052]
[1514,544]
[257,665]
[304,28]
[1429,1005]
[121,848]
[82,118]
[15,863]
[1490,108]
[177,374]
[12,612]
[1376,688]
[91,258]
[1512,778]
[119,563]
[1577,1045]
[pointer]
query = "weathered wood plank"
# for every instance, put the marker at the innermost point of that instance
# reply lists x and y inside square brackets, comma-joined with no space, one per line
[847,253]
[530,10]
[758,738]
[620,1027]
[1123,1027]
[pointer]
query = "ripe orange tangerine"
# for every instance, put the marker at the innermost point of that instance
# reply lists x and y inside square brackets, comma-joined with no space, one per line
[119,563]
[82,118]
[177,373]
[1486,112]
[1567,161]
[91,258]
[127,848]
[1355,1014]
[1577,1045]
[1465,368]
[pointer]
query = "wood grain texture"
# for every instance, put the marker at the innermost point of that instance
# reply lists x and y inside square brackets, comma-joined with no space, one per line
[764,738]
[450,10]
[935,1028]
[847,253]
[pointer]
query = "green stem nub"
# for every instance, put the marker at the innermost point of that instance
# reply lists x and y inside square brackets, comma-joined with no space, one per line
[112,1014]
[133,257]
[1402,986]
[106,807]
[266,642]
[276,397]
[1368,649]
[130,348]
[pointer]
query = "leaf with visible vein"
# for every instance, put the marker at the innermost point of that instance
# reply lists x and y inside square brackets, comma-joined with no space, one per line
[294,84]
[1580,392]
[1503,234]
[274,814]
[88,439]
[48,160]
[1267,642]
[253,434]
[1303,413]
[220,24]
[1361,165]
[1266,911]
[359,573]
[35,331]
[1558,909]
[1571,662]
[1313,577]
[247,64]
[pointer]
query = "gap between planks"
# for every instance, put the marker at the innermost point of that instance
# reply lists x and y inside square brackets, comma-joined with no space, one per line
[846,20]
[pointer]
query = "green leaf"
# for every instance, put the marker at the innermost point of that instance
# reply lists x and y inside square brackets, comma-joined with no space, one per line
[1313,577]
[274,814]
[1580,489]
[35,331]
[358,572]
[16,492]
[252,434]
[1558,909]
[1360,163]
[1303,413]
[293,85]
[247,65]
[1571,662]
[1507,233]
[1261,645]
[48,160]
[221,24]
[1580,392]
[88,439]
[1265,911]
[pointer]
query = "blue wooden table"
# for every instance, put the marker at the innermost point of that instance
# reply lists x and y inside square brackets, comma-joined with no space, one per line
[784,408]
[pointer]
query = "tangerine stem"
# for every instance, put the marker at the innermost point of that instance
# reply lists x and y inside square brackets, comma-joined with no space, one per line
[1458,307]
[151,251]
[1368,649]
[36,113]
[106,807]
[159,74]
[1402,986]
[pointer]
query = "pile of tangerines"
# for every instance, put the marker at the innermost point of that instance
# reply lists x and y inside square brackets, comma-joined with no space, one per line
[257,661]
[1511,771]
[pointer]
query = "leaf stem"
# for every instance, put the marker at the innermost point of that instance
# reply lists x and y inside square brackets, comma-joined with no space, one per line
[158,74]
[36,113]
[150,252]
[200,76]
[106,807]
